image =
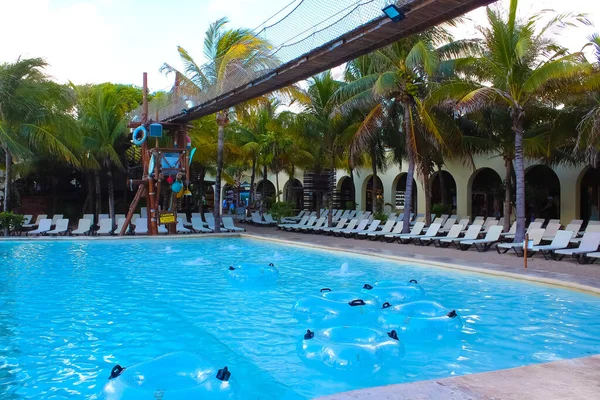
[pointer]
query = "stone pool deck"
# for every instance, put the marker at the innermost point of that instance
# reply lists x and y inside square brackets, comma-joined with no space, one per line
[576,379]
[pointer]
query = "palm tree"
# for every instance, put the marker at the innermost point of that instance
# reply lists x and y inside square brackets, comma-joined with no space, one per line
[230,52]
[328,132]
[391,92]
[32,116]
[588,140]
[103,122]
[520,67]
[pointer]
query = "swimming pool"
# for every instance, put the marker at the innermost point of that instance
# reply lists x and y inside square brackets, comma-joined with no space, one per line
[71,310]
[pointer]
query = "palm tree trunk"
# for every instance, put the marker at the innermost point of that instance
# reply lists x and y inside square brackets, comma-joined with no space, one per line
[353,193]
[98,195]
[520,173]
[427,196]
[442,186]
[277,184]
[252,179]
[222,120]
[410,172]
[7,181]
[374,178]
[88,197]
[7,184]
[507,193]
[201,193]
[111,197]
[263,194]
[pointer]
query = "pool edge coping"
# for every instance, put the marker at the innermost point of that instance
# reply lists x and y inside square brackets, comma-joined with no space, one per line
[439,264]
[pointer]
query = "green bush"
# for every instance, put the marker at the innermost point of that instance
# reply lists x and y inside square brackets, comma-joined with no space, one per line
[350,205]
[282,209]
[439,209]
[380,215]
[11,221]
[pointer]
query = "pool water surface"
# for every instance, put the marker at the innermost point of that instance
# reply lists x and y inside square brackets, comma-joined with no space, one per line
[71,310]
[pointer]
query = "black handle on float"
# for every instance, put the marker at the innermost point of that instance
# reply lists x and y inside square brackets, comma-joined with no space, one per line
[393,334]
[309,334]
[357,302]
[413,281]
[223,374]
[325,289]
[116,371]
[231,268]
[386,305]
[367,286]
[452,314]
[271,265]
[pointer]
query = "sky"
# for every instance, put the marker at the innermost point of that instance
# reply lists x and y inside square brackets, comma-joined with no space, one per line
[94,41]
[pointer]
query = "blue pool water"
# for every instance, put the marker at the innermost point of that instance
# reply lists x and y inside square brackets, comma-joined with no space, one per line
[70,311]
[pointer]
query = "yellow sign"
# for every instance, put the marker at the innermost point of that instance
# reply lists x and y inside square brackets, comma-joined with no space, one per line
[165,218]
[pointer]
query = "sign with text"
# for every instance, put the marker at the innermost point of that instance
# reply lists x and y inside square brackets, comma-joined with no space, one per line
[167,217]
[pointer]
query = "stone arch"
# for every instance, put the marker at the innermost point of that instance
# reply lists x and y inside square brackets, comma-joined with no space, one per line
[542,192]
[443,191]
[344,192]
[588,189]
[367,191]
[293,192]
[399,187]
[486,195]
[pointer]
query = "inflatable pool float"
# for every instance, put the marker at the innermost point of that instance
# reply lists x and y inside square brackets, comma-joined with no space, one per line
[395,291]
[178,375]
[253,272]
[421,320]
[341,308]
[350,348]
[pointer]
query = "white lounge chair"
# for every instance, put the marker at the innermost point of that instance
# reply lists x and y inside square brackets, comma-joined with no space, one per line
[340,225]
[301,222]
[38,219]
[535,235]
[120,223]
[362,224]
[310,221]
[590,228]
[256,219]
[492,236]
[141,226]
[385,229]
[269,219]
[199,226]
[319,223]
[414,231]
[589,244]
[453,233]
[27,219]
[351,225]
[532,225]
[593,256]
[472,233]
[371,228]
[551,230]
[88,216]
[105,227]
[464,222]
[103,216]
[211,225]
[447,224]
[84,227]
[560,242]
[56,217]
[511,231]
[61,227]
[229,225]
[43,228]
[431,231]
[180,228]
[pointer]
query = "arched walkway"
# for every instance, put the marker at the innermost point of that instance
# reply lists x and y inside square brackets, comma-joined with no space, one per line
[369,194]
[590,194]
[400,188]
[293,192]
[345,189]
[487,193]
[542,193]
[269,190]
[443,193]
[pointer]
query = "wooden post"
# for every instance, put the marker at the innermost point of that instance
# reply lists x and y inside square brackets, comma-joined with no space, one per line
[525,250]
[132,207]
